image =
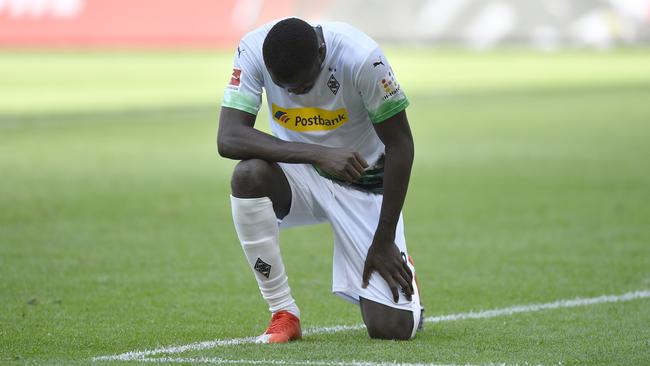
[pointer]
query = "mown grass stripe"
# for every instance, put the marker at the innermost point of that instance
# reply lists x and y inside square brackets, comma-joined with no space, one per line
[484,314]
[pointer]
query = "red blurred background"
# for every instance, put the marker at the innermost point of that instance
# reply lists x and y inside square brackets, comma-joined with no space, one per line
[135,23]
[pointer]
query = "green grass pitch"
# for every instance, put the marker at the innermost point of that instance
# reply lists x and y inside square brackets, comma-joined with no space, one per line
[531,184]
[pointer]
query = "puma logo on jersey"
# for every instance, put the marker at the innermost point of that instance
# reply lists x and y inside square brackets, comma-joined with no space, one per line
[375,64]
[309,119]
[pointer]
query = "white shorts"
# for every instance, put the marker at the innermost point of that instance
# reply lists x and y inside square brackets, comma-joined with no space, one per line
[353,215]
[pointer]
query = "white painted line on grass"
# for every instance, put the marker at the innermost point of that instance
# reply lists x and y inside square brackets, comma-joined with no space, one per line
[139,355]
[484,314]
[223,361]
[531,308]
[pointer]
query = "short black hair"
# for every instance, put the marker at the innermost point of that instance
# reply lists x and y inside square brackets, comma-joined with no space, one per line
[290,46]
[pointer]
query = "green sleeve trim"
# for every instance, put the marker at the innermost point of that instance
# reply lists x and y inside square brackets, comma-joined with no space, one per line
[388,109]
[243,102]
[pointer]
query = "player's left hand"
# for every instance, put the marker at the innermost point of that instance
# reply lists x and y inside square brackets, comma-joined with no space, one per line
[387,259]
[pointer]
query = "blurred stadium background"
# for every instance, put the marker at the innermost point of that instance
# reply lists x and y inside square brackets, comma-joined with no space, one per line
[543,24]
[73,33]
[531,181]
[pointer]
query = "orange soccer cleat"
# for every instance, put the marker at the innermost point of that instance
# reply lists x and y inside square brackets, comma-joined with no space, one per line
[284,327]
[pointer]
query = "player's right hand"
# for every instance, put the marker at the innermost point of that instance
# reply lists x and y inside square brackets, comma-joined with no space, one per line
[343,164]
[386,258]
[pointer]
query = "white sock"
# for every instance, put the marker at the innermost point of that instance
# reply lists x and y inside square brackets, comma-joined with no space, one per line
[258,232]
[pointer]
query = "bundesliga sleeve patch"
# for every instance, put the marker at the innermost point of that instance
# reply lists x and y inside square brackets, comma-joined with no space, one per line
[235,78]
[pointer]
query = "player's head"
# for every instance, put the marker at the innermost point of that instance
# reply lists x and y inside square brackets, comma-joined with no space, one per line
[293,55]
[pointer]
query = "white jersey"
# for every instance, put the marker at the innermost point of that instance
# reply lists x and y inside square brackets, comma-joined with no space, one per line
[355,88]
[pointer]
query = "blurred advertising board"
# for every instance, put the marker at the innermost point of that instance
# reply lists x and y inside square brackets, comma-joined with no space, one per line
[482,24]
[132,23]
[545,24]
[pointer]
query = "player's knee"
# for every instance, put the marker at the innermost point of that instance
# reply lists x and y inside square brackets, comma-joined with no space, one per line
[385,322]
[390,329]
[250,178]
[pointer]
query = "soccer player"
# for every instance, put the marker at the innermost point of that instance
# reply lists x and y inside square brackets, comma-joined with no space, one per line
[341,152]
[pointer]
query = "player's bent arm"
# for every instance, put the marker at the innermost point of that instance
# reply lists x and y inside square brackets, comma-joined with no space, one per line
[383,255]
[238,139]
[396,135]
